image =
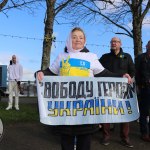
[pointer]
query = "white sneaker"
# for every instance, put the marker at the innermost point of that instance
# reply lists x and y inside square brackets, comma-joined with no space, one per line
[17,107]
[9,107]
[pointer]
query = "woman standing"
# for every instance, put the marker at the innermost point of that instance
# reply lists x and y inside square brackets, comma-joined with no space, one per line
[77,61]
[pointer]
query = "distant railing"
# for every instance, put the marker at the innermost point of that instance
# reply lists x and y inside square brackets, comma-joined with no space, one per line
[28,87]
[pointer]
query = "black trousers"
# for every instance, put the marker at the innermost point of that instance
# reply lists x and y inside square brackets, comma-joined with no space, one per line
[145,111]
[83,142]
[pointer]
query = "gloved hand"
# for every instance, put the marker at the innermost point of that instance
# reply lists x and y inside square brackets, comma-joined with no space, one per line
[18,82]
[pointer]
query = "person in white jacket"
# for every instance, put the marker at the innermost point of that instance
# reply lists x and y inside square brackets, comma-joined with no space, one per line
[15,73]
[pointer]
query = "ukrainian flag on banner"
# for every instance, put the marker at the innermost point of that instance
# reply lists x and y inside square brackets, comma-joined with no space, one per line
[74,67]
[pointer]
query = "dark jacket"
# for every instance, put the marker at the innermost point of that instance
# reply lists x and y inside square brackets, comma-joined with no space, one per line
[80,129]
[143,70]
[121,63]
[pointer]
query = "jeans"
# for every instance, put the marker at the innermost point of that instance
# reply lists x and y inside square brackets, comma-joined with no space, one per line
[13,88]
[124,131]
[83,142]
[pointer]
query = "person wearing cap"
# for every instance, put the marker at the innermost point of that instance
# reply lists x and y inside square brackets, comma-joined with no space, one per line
[143,85]
[117,61]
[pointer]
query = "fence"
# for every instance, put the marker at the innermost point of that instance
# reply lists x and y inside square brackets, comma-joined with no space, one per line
[28,87]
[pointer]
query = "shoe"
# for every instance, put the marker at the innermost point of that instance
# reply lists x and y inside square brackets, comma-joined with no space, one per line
[9,107]
[145,138]
[17,107]
[105,142]
[126,143]
[21,93]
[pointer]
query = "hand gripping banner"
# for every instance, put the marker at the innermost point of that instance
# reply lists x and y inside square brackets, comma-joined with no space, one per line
[86,100]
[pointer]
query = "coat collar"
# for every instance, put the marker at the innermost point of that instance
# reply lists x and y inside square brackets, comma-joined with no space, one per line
[120,54]
[84,50]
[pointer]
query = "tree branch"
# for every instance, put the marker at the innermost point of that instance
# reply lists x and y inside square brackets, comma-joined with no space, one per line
[113,22]
[60,7]
[145,11]
[122,33]
[17,5]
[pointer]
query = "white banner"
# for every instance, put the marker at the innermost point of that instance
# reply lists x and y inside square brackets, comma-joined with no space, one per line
[86,100]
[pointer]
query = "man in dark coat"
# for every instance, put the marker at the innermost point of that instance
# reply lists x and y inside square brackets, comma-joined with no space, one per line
[143,85]
[118,62]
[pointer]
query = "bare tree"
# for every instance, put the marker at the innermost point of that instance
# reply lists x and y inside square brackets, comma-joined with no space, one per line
[30,5]
[53,7]
[120,13]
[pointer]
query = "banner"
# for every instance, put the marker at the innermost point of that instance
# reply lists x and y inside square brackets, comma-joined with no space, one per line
[86,100]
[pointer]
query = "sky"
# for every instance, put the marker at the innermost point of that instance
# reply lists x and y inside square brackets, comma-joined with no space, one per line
[21,34]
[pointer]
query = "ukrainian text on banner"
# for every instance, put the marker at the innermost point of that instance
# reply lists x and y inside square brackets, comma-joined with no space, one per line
[86,100]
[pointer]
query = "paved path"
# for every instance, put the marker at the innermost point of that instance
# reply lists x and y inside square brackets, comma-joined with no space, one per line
[35,136]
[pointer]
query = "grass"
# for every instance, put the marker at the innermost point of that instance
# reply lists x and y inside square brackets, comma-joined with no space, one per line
[27,113]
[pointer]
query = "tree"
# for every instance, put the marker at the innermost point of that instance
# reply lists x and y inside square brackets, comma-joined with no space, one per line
[52,9]
[6,5]
[29,5]
[119,13]
[3,4]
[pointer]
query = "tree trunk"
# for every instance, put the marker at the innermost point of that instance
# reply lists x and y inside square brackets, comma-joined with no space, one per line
[3,4]
[137,29]
[137,39]
[47,42]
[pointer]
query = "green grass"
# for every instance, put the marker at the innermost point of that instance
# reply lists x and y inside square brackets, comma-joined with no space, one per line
[27,113]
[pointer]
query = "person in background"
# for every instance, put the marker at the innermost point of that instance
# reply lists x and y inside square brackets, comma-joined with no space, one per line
[143,85]
[15,73]
[118,62]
